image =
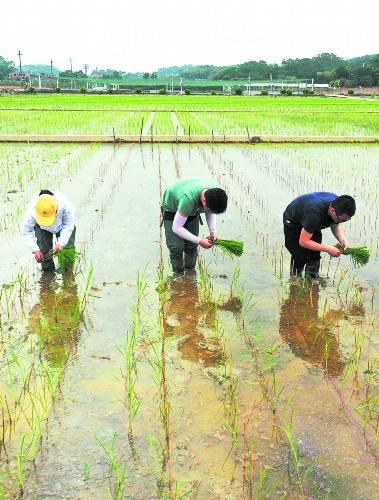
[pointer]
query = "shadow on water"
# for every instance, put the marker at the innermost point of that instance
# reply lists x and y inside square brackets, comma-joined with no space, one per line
[56,317]
[309,329]
[186,316]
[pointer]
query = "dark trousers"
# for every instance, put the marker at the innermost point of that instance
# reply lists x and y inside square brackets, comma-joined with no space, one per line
[179,247]
[45,244]
[301,256]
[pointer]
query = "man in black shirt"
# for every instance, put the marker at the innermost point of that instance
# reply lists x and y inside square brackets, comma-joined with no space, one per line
[303,220]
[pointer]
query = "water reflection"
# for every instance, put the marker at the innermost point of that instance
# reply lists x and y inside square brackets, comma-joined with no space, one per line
[310,332]
[188,318]
[55,319]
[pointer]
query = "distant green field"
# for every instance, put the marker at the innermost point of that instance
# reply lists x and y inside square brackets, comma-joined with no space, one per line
[101,114]
[195,103]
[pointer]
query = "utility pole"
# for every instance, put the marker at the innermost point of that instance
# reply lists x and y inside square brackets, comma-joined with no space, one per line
[71,64]
[86,68]
[51,73]
[20,66]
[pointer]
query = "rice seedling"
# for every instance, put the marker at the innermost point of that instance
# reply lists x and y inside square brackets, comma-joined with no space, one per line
[66,259]
[130,373]
[287,429]
[263,477]
[353,363]
[87,472]
[359,255]
[230,248]
[205,283]
[232,409]
[117,470]
[20,464]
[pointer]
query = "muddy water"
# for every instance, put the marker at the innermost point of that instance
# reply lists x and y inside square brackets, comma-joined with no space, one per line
[235,378]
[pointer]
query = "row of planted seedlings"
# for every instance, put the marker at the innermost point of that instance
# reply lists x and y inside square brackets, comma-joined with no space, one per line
[75,123]
[256,394]
[147,347]
[58,102]
[37,341]
[27,168]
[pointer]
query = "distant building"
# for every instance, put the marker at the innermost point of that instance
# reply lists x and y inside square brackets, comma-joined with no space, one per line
[18,75]
[97,74]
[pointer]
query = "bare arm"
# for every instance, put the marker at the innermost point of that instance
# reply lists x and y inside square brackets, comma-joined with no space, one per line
[305,241]
[339,233]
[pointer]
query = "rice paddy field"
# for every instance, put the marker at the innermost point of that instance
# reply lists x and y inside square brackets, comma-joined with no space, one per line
[192,115]
[118,380]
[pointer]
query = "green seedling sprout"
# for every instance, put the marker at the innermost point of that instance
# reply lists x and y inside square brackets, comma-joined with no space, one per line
[230,248]
[359,255]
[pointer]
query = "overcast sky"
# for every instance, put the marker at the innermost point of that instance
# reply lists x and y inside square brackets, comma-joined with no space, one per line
[144,35]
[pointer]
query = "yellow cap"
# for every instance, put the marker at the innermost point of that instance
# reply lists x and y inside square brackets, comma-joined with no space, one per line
[46,210]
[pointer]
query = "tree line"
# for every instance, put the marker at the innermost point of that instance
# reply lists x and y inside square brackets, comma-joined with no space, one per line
[324,68]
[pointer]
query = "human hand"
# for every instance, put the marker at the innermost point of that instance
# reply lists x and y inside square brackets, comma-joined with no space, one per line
[212,237]
[344,243]
[205,243]
[333,251]
[38,255]
[57,248]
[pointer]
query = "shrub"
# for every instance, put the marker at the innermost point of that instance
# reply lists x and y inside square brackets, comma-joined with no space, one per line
[238,91]
[187,91]
[138,91]
[31,90]
[162,91]
[308,92]
[83,90]
[57,90]
[213,92]
[286,91]
[110,90]
[350,92]
[264,92]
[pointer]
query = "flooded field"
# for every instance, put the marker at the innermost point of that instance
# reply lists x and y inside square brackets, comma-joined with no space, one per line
[237,382]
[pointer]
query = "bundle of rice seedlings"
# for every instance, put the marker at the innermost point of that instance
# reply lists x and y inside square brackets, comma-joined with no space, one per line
[230,247]
[359,255]
[66,258]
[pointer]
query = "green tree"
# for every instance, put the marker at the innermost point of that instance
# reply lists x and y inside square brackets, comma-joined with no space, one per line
[6,67]
[146,76]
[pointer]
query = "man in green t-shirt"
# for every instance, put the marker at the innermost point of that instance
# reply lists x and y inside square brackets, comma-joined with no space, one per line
[182,204]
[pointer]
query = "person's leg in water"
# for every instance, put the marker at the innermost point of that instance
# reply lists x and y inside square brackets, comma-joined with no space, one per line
[190,249]
[175,246]
[302,257]
[45,244]
[291,237]
[312,266]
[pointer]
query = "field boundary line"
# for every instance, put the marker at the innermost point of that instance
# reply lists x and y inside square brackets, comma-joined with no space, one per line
[174,110]
[249,139]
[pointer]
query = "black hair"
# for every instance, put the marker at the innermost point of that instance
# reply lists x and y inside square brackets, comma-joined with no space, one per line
[344,204]
[45,191]
[216,200]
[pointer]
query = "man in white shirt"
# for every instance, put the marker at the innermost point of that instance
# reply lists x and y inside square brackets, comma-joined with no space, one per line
[49,213]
